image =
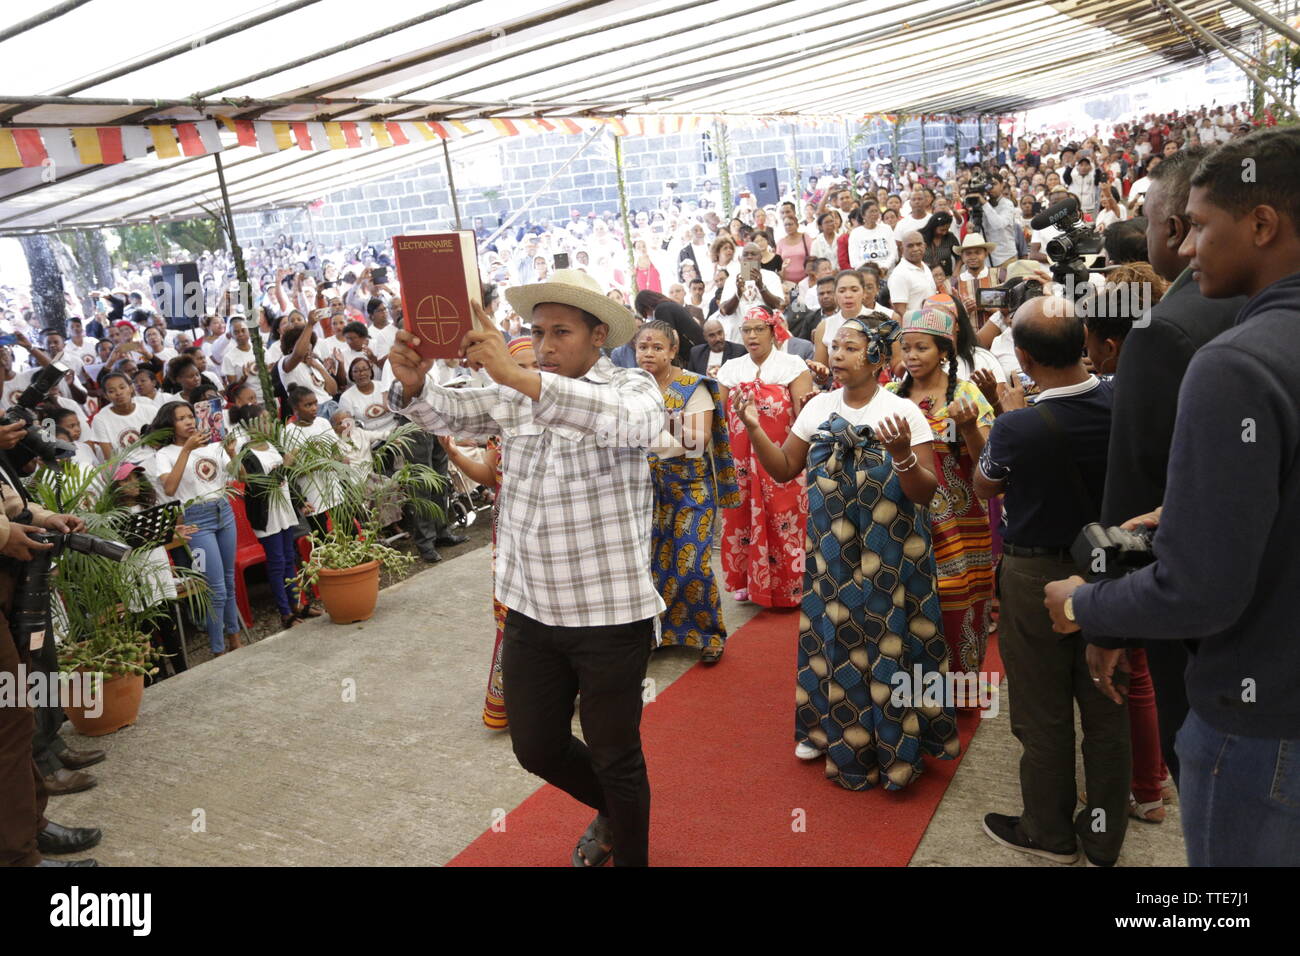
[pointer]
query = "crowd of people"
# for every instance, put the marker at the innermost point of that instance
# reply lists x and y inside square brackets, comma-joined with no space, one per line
[874,400]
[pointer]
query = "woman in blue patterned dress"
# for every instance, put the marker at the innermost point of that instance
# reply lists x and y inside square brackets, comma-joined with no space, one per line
[693,475]
[870,619]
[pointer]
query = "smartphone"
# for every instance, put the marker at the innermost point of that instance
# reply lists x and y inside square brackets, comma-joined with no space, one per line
[991,298]
[749,270]
[8,340]
[379,275]
[561,260]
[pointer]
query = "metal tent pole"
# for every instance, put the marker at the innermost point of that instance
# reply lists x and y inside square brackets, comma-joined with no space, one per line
[451,182]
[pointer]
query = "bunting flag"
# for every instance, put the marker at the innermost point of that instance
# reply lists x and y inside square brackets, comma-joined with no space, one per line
[105,145]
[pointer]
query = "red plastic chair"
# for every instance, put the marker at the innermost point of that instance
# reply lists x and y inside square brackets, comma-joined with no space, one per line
[248,553]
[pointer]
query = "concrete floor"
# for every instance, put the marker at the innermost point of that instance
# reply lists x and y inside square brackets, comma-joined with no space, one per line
[335,745]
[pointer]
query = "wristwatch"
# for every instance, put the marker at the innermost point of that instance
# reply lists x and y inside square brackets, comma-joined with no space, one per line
[1068,609]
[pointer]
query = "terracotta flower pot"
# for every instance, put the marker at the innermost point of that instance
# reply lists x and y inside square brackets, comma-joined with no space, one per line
[350,595]
[120,701]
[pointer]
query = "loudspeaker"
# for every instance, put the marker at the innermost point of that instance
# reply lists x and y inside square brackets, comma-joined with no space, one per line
[762,183]
[179,295]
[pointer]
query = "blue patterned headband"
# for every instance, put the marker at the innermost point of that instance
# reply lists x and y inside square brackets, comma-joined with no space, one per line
[879,339]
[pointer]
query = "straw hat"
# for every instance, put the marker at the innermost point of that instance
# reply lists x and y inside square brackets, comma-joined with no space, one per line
[578,289]
[974,240]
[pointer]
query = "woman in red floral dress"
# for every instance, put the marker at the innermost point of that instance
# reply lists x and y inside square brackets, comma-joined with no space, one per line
[763,540]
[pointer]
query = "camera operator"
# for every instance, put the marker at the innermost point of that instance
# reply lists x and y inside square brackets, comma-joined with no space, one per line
[996,214]
[25,834]
[1050,461]
[1151,370]
[1225,570]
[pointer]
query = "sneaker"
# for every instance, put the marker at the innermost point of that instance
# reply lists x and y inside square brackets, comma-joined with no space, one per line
[741,596]
[806,751]
[1006,831]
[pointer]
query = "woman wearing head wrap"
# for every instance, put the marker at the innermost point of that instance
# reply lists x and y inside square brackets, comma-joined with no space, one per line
[694,475]
[763,539]
[870,607]
[959,417]
[487,472]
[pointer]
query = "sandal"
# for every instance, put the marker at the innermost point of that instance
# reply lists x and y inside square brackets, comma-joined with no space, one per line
[711,655]
[289,620]
[1153,812]
[591,851]
[307,611]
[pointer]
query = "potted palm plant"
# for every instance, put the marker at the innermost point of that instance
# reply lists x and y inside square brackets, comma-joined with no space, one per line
[98,609]
[346,562]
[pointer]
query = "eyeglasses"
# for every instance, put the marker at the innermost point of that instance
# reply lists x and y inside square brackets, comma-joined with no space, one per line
[753,329]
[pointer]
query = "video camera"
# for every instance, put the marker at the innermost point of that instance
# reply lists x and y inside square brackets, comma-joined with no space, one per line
[1067,250]
[1111,552]
[1009,296]
[32,595]
[34,443]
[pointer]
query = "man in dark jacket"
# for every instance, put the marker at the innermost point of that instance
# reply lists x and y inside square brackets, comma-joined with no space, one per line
[1151,369]
[1226,570]
[715,350]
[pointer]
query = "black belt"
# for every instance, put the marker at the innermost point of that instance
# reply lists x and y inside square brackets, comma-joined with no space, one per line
[1016,551]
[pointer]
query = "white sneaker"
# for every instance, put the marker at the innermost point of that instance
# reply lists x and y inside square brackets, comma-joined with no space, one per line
[807,752]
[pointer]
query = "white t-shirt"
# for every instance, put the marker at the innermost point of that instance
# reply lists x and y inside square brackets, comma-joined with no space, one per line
[324,348]
[320,491]
[370,411]
[983,359]
[779,368]
[304,375]
[279,511]
[216,349]
[908,224]
[1105,217]
[884,404]
[873,245]
[911,284]
[205,473]
[233,364]
[381,340]
[118,431]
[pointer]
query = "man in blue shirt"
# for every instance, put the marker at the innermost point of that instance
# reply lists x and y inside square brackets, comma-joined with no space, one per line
[1226,571]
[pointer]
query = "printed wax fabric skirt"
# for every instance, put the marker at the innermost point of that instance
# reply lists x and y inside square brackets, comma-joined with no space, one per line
[870,612]
[682,552]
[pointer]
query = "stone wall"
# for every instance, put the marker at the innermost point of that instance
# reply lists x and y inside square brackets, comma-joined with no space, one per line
[417,199]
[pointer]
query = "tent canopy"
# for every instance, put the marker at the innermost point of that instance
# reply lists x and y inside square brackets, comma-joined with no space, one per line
[95,62]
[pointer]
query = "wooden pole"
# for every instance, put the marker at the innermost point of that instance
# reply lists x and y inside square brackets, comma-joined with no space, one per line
[451,183]
[245,290]
[622,211]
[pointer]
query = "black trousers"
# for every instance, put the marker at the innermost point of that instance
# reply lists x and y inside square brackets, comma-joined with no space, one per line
[46,742]
[425,449]
[22,791]
[1168,663]
[1048,675]
[543,669]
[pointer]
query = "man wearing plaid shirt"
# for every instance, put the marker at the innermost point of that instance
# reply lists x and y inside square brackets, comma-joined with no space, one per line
[573,541]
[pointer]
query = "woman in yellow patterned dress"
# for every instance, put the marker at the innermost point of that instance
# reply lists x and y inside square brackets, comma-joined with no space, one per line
[960,418]
[693,475]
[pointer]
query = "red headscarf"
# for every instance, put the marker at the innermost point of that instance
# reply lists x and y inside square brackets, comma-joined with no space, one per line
[775,319]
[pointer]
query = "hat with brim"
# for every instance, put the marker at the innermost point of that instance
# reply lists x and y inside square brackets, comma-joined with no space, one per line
[1028,269]
[576,288]
[974,240]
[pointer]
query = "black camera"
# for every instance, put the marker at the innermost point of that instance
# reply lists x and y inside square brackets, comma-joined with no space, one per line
[1009,296]
[32,595]
[1067,250]
[34,444]
[1111,552]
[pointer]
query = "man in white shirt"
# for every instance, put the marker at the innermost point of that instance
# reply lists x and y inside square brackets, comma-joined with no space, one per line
[740,294]
[872,241]
[976,274]
[240,364]
[382,330]
[912,280]
[921,204]
[946,165]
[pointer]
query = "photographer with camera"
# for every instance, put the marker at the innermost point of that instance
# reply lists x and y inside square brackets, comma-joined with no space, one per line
[993,215]
[1225,571]
[25,834]
[1049,459]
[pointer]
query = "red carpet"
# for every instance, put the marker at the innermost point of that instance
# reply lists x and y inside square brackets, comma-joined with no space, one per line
[726,785]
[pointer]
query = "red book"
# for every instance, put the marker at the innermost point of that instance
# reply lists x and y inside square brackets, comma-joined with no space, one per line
[439,279]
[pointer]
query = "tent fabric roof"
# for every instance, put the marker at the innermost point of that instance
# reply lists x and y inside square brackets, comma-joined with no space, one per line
[289,60]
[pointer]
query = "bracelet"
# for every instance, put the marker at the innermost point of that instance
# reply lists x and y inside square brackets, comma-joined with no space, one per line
[911,459]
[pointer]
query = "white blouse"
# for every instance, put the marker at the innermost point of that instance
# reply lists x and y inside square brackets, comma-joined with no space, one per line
[779,368]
